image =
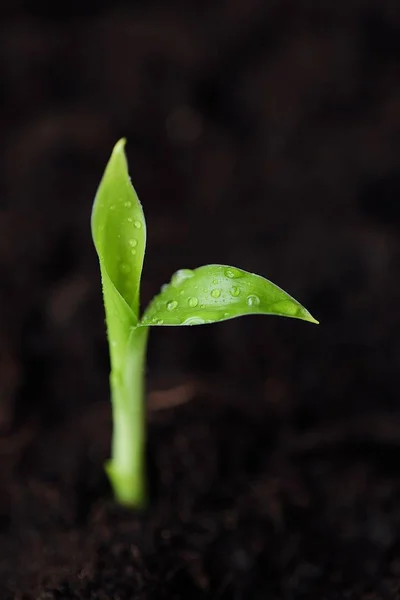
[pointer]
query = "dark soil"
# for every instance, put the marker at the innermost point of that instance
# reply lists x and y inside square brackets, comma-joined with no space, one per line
[261,133]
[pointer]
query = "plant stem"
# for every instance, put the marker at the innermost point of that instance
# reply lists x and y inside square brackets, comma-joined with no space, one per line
[126,468]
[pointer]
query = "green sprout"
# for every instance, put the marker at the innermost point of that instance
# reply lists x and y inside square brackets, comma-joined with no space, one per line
[208,294]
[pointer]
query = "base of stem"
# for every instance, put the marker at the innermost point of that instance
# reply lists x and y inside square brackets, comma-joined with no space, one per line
[129,490]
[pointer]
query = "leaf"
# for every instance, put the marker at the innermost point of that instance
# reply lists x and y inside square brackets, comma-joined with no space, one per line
[119,235]
[216,293]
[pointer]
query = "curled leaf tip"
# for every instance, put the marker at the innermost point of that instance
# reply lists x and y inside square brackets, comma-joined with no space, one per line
[119,146]
[119,235]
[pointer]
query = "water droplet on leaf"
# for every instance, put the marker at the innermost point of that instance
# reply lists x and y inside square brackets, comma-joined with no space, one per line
[132,242]
[172,305]
[128,204]
[233,273]
[193,321]
[253,300]
[235,292]
[216,293]
[137,224]
[125,268]
[193,302]
[181,276]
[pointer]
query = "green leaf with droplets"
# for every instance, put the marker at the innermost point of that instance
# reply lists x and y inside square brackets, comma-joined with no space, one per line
[119,235]
[206,295]
[215,293]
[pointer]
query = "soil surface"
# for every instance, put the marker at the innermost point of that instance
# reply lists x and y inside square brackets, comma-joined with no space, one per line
[263,134]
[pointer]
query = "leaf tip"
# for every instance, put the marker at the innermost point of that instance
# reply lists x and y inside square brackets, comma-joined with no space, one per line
[118,163]
[311,319]
[119,146]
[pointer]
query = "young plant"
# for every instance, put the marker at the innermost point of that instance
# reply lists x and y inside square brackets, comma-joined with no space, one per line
[208,294]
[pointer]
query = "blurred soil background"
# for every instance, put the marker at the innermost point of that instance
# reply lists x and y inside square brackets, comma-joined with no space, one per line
[263,134]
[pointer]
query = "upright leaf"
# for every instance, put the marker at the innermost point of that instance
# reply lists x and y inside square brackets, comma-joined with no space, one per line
[216,293]
[119,235]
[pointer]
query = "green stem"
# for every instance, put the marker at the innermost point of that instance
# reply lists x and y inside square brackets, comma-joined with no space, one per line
[126,468]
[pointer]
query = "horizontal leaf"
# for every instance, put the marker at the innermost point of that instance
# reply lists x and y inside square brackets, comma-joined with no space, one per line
[216,293]
[119,235]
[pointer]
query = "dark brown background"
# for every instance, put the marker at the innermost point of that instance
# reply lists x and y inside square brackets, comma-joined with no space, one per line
[261,133]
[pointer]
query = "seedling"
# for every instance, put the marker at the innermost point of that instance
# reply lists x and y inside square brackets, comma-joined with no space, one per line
[208,294]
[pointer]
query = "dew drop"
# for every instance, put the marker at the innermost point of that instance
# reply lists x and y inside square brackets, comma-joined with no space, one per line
[137,224]
[127,204]
[132,243]
[125,268]
[193,302]
[130,219]
[181,276]
[193,321]
[216,293]
[172,305]
[253,300]
[233,273]
[235,291]
[133,251]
